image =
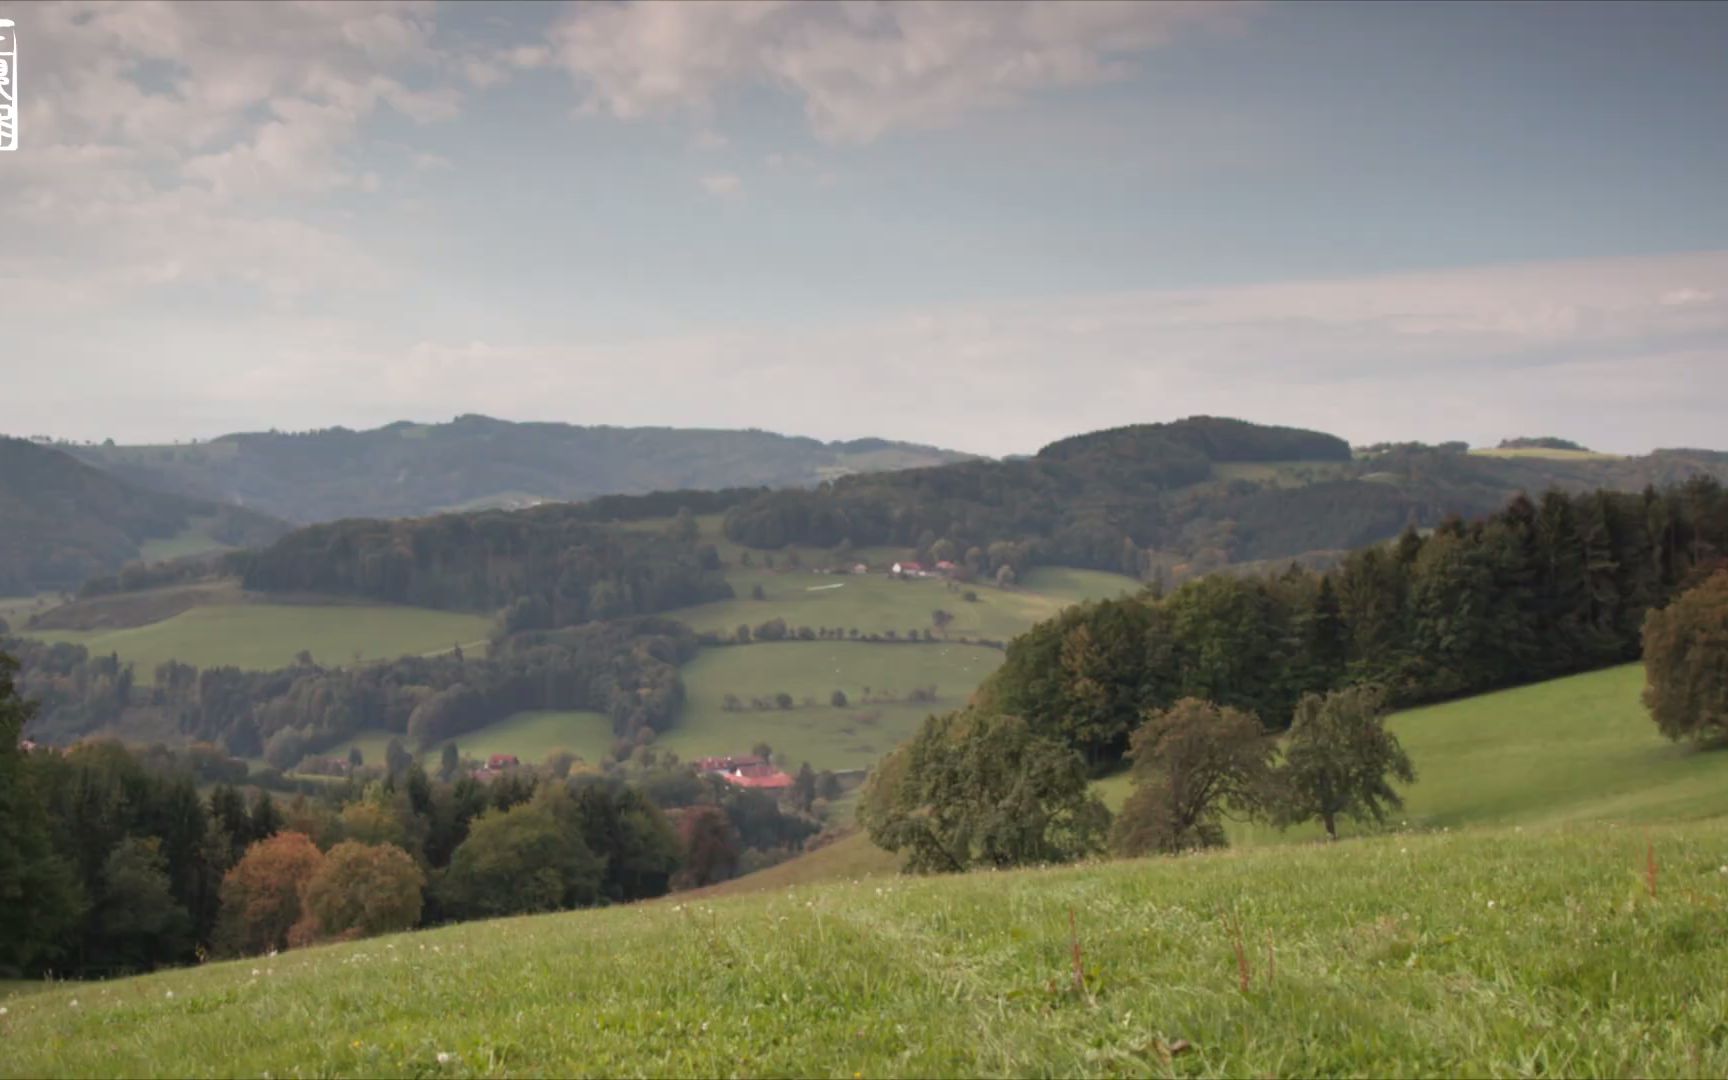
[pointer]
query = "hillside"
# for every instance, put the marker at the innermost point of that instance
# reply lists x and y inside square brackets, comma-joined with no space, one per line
[63,522]
[1476,953]
[475,462]
[1183,498]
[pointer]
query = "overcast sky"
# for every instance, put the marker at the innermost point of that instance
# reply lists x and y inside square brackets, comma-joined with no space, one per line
[983,226]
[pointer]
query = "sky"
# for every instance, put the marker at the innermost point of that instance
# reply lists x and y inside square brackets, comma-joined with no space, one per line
[983,226]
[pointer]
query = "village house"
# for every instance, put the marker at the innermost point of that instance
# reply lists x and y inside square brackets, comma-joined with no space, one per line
[745,771]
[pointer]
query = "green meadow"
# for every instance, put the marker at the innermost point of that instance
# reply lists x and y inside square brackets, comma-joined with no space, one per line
[1545,452]
[1549,951]
[263,636]
[829,738]
[531,736]
[876,603]
[194,539]
[1576,749]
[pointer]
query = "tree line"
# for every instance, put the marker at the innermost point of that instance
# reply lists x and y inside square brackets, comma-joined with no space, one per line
[627,669]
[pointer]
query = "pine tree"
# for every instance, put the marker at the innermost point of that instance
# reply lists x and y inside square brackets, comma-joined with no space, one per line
[39,893]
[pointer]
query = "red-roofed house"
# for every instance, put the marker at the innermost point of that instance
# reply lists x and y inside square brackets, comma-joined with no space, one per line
[502,761]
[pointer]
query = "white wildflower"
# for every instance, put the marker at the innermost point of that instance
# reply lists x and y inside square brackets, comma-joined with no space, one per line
[445,1057]
[74,1003]
[1490,905]
[169,994]
[3,1011]
[271,953]
[254,973]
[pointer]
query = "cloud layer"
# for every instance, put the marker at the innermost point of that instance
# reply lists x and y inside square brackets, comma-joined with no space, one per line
[863,68]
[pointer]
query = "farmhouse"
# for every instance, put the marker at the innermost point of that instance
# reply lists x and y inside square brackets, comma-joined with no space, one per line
[745,771]
[502,761]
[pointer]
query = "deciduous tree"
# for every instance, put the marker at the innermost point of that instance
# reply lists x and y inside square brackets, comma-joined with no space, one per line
[1193,764]
[1339,760]
[1686,663]
[261,894]
[979,789]
[364,889]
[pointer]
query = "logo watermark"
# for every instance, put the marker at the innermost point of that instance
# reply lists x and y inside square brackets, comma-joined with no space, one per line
[8,85]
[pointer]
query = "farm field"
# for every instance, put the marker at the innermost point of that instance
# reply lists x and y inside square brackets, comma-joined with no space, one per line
[1475,953]
[1546,453]
[529,735]
[827,737]
[533,735]
[16,609]
[268,635]
[194,539]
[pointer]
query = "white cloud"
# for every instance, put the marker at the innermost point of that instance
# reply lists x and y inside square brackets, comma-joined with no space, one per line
[722,184]
[162,140]
[861,69]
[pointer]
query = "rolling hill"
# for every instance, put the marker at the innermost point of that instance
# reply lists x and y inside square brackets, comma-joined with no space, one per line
[1183,498]
[63,522]
[475,463]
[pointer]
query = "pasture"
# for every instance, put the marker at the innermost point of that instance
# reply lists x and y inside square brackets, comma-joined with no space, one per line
[1546,453]
[827,737]
[264,635]
[1551,951]
[1576,749]
[194,539]
[531,736]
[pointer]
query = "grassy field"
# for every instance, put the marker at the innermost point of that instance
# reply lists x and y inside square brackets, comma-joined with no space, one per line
[874,603]
[529,735]
[267,635]
[1482,953]
[1568,750]
[827,737]
[17,609]
[1545,453]
[194,539]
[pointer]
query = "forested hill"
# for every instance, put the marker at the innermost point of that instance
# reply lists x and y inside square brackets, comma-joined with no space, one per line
[1186,497]
[474,462]
[62,522]
[545,567]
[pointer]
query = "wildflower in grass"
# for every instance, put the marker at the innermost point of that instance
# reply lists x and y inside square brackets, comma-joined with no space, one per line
[74,1003]
[445,1057]
[169,994]
[1490,905]
[254,973]
[3,1013]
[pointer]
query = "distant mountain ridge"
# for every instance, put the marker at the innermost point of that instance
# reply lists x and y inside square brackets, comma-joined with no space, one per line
[63,521]
[407,469]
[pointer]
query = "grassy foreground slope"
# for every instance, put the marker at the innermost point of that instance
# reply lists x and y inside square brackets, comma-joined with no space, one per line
[1477,953]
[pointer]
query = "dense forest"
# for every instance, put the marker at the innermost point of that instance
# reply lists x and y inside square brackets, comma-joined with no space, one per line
[475,462]
[546,567]
[627,669]
[1143,499]
[63,522]
[1542,588]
